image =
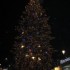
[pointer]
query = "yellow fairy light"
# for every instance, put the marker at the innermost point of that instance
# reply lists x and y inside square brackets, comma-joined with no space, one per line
[57,68]
[22,46]
[63,51]
[33,57]
[39,58]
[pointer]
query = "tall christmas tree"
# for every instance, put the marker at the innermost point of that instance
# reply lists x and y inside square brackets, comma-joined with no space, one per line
[32,46]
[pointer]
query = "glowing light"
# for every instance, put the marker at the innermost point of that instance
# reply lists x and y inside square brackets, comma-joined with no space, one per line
[26,55]
[22,32]
[0,64]
[6,58]
[22,46]
[33,57]
[39,46]
[63,51]
[39,58]
[57,68]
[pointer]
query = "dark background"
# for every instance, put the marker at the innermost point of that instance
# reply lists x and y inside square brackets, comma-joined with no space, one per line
[57,10]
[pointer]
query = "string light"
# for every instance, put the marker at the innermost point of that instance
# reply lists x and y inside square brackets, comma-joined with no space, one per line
[26,55]
[22,32]
[22,46]
[0,64]
[6,58]
[39,46]
[32,37]
[33,57]
[39,58]
[63,51]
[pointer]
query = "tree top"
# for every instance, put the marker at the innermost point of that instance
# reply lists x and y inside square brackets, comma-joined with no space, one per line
[34,1]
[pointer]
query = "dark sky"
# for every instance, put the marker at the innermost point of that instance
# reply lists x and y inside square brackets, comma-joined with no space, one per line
[57,10]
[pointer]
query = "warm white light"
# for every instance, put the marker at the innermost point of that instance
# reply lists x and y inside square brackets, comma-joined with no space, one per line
[22,46]
[33,57]
[0,64]
[39,58]
[22,32]
[6,58]
[26,55]
[39,46]
[57,68]
[63,51]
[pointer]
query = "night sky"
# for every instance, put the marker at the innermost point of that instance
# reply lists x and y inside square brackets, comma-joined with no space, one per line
[59,18]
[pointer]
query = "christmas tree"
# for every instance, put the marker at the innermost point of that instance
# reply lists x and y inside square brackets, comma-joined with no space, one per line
[32,46]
